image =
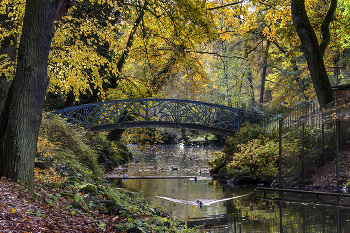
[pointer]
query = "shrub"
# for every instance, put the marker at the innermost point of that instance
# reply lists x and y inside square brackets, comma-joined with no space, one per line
[218,161]
[66,145]
[245,134]
[257,159]
[76,151]
[111,153]
[254,153]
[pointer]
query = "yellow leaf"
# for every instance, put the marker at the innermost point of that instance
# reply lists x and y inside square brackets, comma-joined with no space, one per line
[13,210]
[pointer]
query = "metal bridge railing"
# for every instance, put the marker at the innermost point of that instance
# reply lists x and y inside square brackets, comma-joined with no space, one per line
[143,112]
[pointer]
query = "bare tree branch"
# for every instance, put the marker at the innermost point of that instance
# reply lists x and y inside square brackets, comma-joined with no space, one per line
[216,54]
[223,6]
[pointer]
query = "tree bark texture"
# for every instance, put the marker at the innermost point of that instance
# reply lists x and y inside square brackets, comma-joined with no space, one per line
[29,90]
[313,53]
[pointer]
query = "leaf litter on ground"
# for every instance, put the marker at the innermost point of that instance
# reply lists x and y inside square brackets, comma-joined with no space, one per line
[46,209]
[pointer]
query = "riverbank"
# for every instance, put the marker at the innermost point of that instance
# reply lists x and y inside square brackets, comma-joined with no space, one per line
[62,204]
[323,179]
[70,192]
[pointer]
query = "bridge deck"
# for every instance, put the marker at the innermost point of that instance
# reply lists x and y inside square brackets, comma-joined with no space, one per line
[161,124]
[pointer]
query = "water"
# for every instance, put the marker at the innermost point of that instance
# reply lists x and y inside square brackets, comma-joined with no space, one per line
[226,208]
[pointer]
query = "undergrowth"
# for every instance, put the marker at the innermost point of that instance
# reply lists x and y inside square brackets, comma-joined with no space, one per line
[75,152]
[61,204]
[253,153]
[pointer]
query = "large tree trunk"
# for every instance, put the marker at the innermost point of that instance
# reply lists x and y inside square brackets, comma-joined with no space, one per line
[311,48]
[29,89]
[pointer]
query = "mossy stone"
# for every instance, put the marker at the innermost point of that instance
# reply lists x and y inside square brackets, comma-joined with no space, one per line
[89,188]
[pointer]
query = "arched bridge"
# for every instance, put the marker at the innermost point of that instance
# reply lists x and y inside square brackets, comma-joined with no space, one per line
[164,113]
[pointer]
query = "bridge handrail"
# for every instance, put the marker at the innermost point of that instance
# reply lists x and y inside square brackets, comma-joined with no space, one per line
[147,99]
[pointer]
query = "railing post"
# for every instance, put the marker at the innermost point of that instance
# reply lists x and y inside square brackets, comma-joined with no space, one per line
[338,220]
[177,113]
[239,119]
[337,149]
[117,115]
[302,154]
[322,143]
[281,216]
[146,108]
[280,152]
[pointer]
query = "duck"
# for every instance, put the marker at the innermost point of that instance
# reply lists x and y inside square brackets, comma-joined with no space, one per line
[174,168]
[275,183]
[199,172]
[200,203]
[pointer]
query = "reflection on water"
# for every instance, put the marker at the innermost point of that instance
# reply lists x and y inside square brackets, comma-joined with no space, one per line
[225,208]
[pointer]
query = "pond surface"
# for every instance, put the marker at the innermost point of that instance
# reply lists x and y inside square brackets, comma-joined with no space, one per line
[221,207]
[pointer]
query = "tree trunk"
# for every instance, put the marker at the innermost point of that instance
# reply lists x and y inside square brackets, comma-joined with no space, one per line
[11,51]
[250,80]
[313,53]
[263,75]
[29,89]
[4,92]
[130,42]
[262,84]
[7,90]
